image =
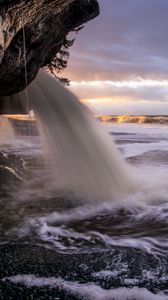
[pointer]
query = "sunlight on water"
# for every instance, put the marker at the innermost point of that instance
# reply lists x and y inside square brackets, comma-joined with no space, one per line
[134,119]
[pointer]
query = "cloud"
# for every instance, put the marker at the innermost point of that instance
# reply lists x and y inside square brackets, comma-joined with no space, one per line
[128,108]
[141,90]
[124,97]
[128,40]
[126,43]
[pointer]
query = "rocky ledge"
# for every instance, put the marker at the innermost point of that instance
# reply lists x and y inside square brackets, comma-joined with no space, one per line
[46,24]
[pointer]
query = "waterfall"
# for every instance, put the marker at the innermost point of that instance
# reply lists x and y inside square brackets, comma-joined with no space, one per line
[85,158]
[6,131]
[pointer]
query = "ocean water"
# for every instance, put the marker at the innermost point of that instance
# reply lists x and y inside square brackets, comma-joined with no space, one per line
[55,245]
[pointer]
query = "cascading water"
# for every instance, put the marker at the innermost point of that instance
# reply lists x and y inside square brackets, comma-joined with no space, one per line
[6,131]
[87,162]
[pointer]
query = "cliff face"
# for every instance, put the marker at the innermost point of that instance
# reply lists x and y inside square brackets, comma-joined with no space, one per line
[46,23]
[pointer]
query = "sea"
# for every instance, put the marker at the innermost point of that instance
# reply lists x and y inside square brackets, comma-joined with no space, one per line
[54,245]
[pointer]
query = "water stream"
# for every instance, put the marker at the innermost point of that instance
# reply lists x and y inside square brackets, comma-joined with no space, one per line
[85,158]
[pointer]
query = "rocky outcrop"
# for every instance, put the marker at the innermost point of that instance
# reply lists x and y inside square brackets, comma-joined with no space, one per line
[46,24]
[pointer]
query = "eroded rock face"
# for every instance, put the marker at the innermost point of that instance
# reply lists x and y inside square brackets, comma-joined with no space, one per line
[46,23]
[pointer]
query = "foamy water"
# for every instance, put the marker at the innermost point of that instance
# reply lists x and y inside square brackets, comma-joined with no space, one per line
[118,250]
[86,291]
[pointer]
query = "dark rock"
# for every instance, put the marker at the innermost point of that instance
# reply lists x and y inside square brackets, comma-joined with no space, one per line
[46,23]
[11,173]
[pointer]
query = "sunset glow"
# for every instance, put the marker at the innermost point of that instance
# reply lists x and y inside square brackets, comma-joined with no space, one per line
[133,84]
[122,57]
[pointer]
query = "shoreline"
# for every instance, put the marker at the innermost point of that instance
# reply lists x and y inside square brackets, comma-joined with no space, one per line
[139,119]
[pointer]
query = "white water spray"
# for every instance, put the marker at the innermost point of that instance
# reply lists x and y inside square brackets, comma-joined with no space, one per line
[82,153]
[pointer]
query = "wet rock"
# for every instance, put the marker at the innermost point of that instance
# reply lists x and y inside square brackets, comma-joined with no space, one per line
[11,173]
[46,25]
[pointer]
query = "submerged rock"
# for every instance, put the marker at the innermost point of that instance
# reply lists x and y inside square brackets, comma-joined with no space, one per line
[46,24]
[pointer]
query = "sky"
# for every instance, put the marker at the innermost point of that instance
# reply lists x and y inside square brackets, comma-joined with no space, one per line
[119,61]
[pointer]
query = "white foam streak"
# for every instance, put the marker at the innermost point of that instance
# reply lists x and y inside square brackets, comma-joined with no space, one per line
[85,291]
[136,149]
[55,229]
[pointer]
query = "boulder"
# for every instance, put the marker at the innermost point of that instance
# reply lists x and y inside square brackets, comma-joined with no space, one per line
[45,24]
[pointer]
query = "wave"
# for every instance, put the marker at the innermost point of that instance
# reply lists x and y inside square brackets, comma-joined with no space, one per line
[134,119]
[141,119]
[89,291]
[105,226]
